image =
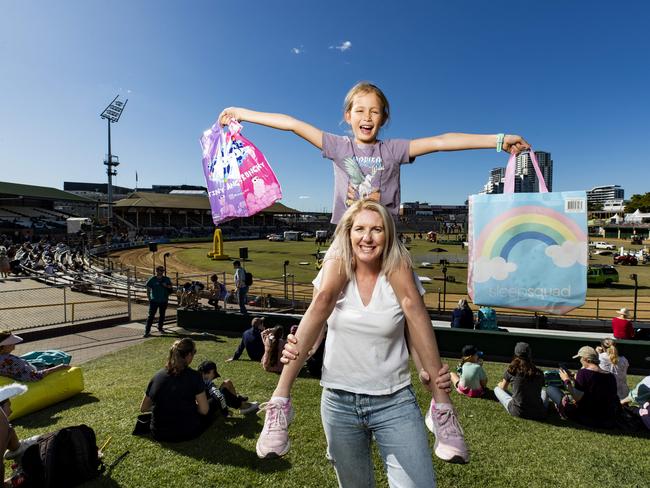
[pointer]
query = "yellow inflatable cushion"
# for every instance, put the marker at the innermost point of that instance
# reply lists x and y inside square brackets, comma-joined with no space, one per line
[54,388]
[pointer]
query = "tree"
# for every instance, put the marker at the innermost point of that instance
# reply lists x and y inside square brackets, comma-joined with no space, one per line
[640,202]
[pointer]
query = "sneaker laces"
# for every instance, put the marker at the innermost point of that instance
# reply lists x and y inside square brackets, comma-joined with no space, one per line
[448,425]
[276,418]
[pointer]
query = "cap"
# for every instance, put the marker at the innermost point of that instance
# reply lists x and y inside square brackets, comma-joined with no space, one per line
[11,340]
[470,350]
[12,390]
[207,366]
[624,311]
[522,349]
[587,352]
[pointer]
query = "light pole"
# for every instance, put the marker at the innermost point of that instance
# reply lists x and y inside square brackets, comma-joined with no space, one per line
[165,256]
[112,114]
[444,284]
[635,277]
[284,275]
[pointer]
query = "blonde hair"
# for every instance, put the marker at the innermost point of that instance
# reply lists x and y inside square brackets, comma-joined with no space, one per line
[394,254]
[178,355]
[362,88]
[610,348]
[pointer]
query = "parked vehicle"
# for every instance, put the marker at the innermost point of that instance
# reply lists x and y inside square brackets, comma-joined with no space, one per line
[275,237]
[626,260]
[599,275]
[603,245]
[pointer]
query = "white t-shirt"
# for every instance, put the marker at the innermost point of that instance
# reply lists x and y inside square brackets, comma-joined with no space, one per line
[619,371]
[365,349]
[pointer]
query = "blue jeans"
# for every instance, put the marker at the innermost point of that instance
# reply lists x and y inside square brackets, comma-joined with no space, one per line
[505,398]
[242,294]
[351,420]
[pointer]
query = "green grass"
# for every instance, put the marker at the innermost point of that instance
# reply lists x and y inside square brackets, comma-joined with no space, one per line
[506,451]
[267,258]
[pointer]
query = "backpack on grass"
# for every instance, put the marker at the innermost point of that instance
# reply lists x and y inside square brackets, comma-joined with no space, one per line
[67,457]
[248,278]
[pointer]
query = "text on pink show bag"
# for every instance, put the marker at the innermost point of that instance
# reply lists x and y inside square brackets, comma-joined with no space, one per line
[239,178]
[528,250]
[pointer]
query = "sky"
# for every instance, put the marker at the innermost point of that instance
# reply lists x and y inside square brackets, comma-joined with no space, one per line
[572,77]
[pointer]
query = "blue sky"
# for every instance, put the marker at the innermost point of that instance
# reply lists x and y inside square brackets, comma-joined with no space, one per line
[571,77]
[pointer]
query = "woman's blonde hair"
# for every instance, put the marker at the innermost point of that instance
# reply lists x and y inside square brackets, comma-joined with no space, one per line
[178,355]
[394,254]
[362,88]
[609,346]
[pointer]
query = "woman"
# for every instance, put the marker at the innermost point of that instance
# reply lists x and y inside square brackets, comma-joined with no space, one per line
[593,400]
[528,399]
[8,439]
[273,344]
[615,364]
[462,316]
[176,397]
[16,367]
[367,390]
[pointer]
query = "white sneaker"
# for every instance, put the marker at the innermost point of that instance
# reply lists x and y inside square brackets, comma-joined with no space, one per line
[450,440]
[20,450]
[254,407]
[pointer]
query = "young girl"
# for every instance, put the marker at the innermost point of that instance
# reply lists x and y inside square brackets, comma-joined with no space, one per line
[528,399]
[365,166]
[225,395]
[273,344]
[473,379]
[615,364]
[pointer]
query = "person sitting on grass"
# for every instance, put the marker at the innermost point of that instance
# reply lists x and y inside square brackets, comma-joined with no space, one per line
[16,367]
[273,344]
[592,398]
[176,397]
[528,399]
[224,396]
[462,316]
[9,442]
[251,340]
[473,379]
[640,393]
[615,364]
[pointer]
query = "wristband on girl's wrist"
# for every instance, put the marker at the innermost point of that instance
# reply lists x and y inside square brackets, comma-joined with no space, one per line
[500,138]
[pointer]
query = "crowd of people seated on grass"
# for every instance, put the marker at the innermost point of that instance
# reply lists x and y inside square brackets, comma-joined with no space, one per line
[597,395]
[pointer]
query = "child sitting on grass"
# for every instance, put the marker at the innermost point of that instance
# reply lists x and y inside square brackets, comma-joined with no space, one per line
[473,379]
[225,395]
[273,344]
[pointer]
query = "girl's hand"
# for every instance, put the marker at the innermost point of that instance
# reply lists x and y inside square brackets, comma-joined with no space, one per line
[443,381]
[514,144]
[290,352]
[230,113]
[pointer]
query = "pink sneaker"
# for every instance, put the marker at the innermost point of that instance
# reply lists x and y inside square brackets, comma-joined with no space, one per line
[274,440]
[450,440]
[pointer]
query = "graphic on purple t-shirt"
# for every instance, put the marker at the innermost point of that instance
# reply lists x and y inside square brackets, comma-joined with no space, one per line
[367,171]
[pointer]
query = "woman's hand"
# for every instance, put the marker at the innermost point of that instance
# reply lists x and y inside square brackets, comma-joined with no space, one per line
[228,114]
[514,144]
[290,351]
[443,381]
[564,375]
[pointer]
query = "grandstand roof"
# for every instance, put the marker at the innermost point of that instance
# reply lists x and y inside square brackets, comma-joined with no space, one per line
[188,202]
[41,192]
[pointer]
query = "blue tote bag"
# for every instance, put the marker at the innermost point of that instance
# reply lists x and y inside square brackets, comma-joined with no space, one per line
[528,250]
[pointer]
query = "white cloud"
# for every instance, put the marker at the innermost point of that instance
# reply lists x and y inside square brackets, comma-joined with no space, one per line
[344,46]
[304,197]
[569,253]
[497,268]
[297,50]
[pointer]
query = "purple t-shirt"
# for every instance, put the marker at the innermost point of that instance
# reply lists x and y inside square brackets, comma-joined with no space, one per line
[368,171]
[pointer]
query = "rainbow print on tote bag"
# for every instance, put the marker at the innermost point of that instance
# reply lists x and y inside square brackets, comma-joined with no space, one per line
[528,250]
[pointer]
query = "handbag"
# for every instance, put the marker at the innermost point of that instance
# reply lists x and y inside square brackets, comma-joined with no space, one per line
[528,250]
[239,178]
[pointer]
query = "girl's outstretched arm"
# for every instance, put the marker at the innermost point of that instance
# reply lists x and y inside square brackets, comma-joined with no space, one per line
[459,142]
[276,121]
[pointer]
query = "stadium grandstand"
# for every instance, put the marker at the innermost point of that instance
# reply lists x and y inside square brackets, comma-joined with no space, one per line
[29,210]
[173,214]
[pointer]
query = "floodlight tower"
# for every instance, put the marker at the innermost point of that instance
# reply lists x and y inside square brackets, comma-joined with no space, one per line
[112,114]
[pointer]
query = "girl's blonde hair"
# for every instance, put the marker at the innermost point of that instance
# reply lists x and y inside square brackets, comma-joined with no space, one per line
[394,254]
[178,355]
[610,348]
[362,88]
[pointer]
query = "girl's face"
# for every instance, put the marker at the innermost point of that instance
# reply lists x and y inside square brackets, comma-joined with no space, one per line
[368,236]
[365,117]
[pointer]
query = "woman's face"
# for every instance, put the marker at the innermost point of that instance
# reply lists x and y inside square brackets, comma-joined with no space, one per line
[368,236]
